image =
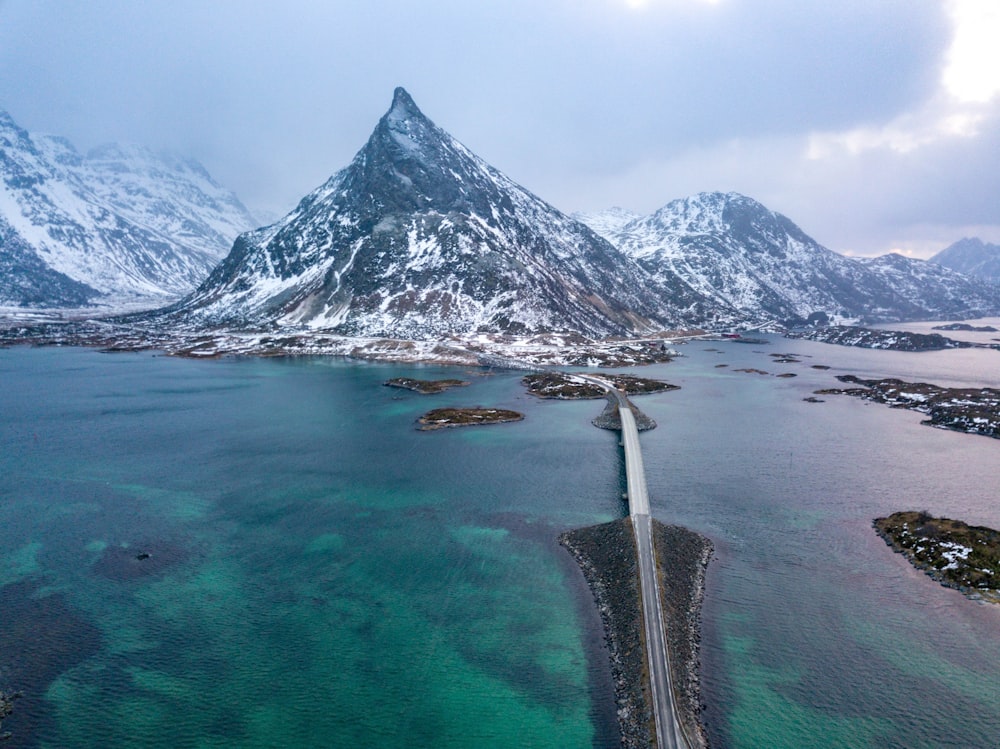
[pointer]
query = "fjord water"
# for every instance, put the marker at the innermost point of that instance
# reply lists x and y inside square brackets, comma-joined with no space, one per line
[322,574]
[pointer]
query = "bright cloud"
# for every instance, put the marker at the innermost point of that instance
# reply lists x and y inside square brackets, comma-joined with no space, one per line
[961,108]
[972,73]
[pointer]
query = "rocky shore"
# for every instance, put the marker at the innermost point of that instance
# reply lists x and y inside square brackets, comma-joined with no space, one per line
[963,326]
[524,352]
[6,708]
[889,340]
[443,418]
[970,410]
[955,554]
[607,556]
[682,557]
[425,387]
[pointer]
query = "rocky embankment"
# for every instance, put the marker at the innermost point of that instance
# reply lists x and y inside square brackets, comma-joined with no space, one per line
[971,410]
[890,340]
[607,555]
[611,419]
[681,558]
[955,554]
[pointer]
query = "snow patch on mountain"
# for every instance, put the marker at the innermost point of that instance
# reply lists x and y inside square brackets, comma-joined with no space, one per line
[123,221]
[764,269]
[973,257]
[419,238]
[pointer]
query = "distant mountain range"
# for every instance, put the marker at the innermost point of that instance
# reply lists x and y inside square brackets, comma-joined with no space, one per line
[419,238]
[973,257]
[116,224]
[762,268]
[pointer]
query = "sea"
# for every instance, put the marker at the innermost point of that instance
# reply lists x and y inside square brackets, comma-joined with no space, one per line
[267,553]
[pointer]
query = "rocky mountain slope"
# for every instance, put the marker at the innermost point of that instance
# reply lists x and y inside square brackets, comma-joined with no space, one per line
[25,279]
[116,223]
[759,265]
[420,238]
[928,290]
[973,257]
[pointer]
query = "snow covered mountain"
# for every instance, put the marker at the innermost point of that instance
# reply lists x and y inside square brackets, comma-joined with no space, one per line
[116,223]
[419,238]
[933,291]
[763,268]
[25,279]
[973,257]
[609,222]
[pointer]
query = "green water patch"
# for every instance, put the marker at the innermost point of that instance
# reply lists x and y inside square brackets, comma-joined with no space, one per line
[393,636]
[325,544]
[171,503]
[20,563]
[764,716]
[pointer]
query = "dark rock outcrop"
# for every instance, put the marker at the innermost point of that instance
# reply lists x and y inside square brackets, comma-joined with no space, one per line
[607,555]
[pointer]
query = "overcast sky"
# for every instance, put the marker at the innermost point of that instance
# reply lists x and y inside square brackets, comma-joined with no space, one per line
[874,125]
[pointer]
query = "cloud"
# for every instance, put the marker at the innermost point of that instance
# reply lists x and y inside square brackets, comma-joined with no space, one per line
[838,114]
[972,72]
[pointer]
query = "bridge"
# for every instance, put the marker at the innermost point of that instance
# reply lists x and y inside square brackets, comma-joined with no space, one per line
[669,734]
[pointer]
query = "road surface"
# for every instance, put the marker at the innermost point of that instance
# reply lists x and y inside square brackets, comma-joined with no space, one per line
[668,730]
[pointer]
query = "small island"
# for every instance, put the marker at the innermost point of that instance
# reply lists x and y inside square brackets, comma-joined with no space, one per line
[971,410]
[443,418]
[964,326]
[888,340]
[426,387]
[568,386]
[957,555]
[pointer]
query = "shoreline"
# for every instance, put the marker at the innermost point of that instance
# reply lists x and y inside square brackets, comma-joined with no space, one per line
[682,558]
[606,557]
[928,542]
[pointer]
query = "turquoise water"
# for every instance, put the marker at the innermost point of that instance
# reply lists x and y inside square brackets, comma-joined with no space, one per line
[322,574]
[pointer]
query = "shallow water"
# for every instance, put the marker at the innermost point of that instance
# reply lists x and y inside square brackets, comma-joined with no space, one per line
[323,574]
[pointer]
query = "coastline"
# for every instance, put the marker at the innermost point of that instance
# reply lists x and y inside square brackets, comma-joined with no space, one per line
[682,558]
[607,558]
[606,555]
[927,543]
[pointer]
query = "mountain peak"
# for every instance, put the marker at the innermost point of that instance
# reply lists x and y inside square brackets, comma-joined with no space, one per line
[973,257]
[416,238]
[403,105]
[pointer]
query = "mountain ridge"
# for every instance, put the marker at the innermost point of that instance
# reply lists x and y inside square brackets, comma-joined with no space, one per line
[122,221]
[973,257]
[741,255]
[418,237]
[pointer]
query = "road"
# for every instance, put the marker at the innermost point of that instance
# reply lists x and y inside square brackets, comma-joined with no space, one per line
[668,730]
